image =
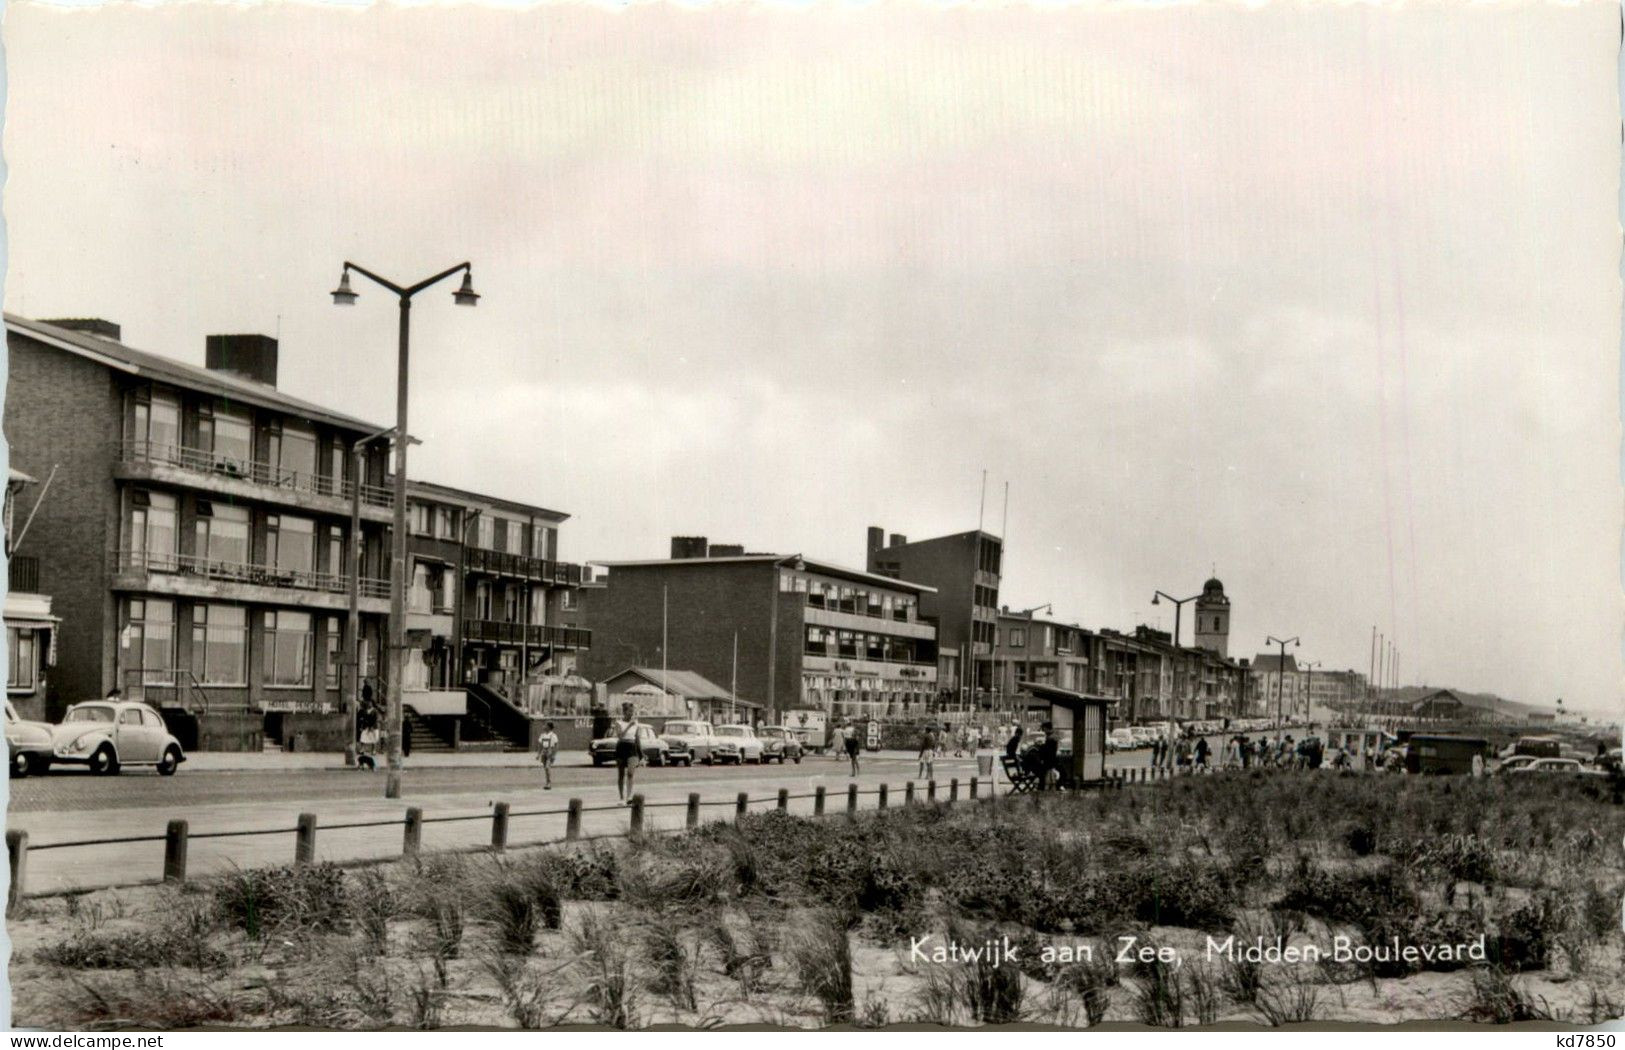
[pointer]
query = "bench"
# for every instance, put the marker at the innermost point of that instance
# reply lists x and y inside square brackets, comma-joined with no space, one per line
[1022,780]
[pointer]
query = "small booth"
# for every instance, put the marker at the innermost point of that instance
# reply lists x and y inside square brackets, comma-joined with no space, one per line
[1080,720]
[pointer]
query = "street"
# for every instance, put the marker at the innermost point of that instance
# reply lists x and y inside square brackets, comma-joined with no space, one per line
[72,805]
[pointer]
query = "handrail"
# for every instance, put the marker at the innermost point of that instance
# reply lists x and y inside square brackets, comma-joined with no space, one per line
[248,469]
[174,678]
[241,572]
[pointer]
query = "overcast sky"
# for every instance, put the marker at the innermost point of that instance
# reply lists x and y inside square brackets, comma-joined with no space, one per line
[1321,298]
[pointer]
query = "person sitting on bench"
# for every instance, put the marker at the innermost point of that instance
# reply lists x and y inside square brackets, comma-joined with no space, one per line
[1041,757]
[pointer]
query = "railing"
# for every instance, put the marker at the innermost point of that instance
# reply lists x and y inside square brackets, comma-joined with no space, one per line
[177,684]
[23,574]
[240,572]
[852,608]
[506,563]
[206,462]
[526,634]
[849,654]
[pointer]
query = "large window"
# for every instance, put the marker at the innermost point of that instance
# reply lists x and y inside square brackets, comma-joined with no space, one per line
[23,673]
[289,642]
[1018,637]
[220,644]
[332,648]
[335,552]
[158,424]
[482,600]
[445,523]
[228,437]
[290,543]
[486,532]
[293,454]
[152,530]
[510,604]
[147,643]
[222,533]
[422,516]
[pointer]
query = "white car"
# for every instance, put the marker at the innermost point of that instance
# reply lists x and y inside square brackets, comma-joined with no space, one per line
[1120,740]
[737,744]
[28,743]
[107,735]
[689,742]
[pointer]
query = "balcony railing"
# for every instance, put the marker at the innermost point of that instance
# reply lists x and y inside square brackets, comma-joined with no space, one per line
[239,572]
[874,612]
[841,653]
[23,573]
[505,563]
[503,632]
[203,461]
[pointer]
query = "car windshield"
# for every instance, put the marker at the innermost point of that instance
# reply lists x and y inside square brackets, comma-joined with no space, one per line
[730,731]
[684,727]
[93,713]
[776,734]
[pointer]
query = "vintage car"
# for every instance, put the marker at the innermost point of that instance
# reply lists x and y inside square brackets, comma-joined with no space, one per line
[780,743]
[737,743]
[655,751]
[688,742]
[107,735]
[1120,739]
[1559,767]
[28,744]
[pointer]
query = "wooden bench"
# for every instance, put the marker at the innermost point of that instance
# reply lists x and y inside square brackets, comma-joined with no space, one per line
[1022,780]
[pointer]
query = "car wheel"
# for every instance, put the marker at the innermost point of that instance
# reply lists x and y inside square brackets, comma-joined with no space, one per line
[708,760]
[170,762]
[798,760]
[597,761]
[104,762]
[22,764]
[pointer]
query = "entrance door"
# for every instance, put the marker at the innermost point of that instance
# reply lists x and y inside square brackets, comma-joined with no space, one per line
[273,727]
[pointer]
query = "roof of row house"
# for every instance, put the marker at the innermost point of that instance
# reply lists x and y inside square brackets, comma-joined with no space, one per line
[800,562]
[465,498]
[122,358]
[689,685]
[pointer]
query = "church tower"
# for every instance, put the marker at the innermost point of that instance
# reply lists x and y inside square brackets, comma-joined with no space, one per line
[1213,619]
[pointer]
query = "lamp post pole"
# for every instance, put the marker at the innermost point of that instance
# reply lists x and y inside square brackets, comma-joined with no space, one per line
[1309,687]
[1280,674]
[352,680]
[343,296]
[1179,607]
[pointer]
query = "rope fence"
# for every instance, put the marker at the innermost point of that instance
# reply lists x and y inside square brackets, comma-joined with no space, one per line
[178,836]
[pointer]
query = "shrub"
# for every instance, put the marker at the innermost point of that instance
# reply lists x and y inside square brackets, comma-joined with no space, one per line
[1497,1000]
[611,993]
[159,1002]
[509,903]
[675,965]
[303,897]
[1292,999]
[1359,897]
[1184,895]
[586,874]
[1361,840]
[372,906]
[88,949]
[821,956]
[1159,996]
[1528,933]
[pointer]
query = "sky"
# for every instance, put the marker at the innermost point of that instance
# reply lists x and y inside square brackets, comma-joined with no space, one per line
[1321,299]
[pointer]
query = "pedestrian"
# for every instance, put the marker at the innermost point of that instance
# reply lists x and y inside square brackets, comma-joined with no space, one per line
[928,753]
[1012,746]
[628,751]
[1201,755]
[1183,753]
[547,749]
[851,733]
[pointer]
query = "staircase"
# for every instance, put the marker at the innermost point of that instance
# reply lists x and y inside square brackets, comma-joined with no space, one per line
[426,737]
[492,723]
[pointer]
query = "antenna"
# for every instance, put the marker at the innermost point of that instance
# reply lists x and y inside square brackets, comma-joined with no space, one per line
[981,508]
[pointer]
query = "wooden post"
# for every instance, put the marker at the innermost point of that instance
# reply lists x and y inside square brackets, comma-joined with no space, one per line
[175,851]
[693,809]
[818,801]
[931,790]
[740,805]
[784,800]
[852,800]
[572,820]
[974,782]
[636,827]
[953,789]
[17,851]
[908,793]
[412,838]
[304,842]
[881,800]
[499,827]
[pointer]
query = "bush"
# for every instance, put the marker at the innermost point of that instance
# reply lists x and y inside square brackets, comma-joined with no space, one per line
[1358,897]
[130,950]
[299,897]
[1527,934]
[821,956]
[1184,895]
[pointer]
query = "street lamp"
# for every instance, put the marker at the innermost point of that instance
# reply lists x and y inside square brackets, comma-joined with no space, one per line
[1309,687]
[1179,607]
[1280,673]
[344,296]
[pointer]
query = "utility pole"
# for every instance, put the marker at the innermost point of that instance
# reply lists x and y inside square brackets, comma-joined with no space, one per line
[1280,674]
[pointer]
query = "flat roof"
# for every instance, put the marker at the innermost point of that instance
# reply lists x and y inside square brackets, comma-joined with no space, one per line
[803,564]
[464,496]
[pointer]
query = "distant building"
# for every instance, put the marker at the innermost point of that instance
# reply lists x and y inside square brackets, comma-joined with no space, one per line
[962,574]
[1213,619]
[1277,686]
[793,633]
[675,694]
[1027,648]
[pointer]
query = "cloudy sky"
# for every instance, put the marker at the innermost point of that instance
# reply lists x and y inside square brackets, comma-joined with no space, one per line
[1323,298]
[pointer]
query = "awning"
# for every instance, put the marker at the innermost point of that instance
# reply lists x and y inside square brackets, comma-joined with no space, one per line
[29,610]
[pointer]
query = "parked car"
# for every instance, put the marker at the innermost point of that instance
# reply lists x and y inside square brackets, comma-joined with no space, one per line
[780,743]
[1558,766]
[654,749]
[1120,740]
[737,744]
[107,735]
[689,742]
[28,744]
[1445,754]
[1538,746]
[1516,762]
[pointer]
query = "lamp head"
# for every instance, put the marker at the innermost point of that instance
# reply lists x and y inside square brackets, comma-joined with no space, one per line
[466,296]
[342,295]
[1156,599]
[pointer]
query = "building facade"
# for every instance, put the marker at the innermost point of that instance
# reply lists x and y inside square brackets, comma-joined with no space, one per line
[962,574]
[31,626]
[1213,619]
[197,538]
[781,631]
[1044,651]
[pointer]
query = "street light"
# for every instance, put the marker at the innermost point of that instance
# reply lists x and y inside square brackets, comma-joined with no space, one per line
[1179,607]
[344,296]
[1309,686]
[1280,673]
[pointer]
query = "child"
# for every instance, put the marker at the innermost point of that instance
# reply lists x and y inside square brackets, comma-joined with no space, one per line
[547,749]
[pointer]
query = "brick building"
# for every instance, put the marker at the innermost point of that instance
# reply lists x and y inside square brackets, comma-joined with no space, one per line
[31,625]
[196,541]
[808,635]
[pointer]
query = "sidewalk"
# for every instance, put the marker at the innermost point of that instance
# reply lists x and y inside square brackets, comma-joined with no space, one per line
[272,761]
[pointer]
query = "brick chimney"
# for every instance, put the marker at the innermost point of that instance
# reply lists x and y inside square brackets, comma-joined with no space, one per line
[247,356]
[897,539]
[88,325]
[688,547]
[877,538]
[726,550]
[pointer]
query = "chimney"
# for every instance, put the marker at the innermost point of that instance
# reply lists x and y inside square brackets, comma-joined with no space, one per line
[898,539]
[687,547]
[89,325]
[877,538]
[726,550]
[247,356]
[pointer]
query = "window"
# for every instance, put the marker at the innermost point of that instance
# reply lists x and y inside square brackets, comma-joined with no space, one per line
[130,716]
[288,644]
[152,530]
[147,644]
[417,598]
[335,552]
[787,582]
[445,523]
[538,607]
[23,672]
[332,648]
[486,532]
[515,543]
[1018,637]
[422,519]
[546,542]
[222,533]
[482,600]
[290,543]
[158,424]
[337,461]
[228,437]
[296,460]
[568,601]
[220,644]
[510,604]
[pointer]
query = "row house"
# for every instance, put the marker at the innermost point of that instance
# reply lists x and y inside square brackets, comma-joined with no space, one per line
[786,633]
[31,626]
[1030,649]
[197,539]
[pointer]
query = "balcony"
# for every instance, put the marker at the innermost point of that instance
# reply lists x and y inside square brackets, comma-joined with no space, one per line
[23,575]
[823,661]
[520,566]
[246,479]
[192,576]
[503,633]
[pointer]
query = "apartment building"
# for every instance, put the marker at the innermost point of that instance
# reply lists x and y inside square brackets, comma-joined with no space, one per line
[197,538]
[1045,651]
[782,631]
[31,625]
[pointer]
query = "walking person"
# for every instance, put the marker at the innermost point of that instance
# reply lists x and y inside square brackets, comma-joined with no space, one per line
[851,743]
[1201,754]
[547,749]
[928,753]
[628,753]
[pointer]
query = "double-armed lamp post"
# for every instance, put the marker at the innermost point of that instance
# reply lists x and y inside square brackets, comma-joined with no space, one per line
[1280,673]
[1179,607]
[344,296]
